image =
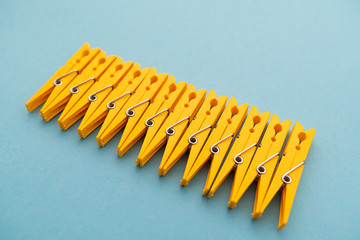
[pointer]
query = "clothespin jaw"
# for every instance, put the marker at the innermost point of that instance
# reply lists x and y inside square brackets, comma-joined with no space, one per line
[79,103]
[144,95]
[116,98]
[176,123]
[73,67]
[62,94]
[242,150]
[198,130]
[163,104]
[264,160]
[220,138]
[288,172]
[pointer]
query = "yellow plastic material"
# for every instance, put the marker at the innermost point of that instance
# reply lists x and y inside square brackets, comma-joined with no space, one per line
[105,90]
[184,111]
[295,152]
[271,145]
[228,124]
[117,117]
[61,94]
[163,104]
[78,103]
[206,117]
[98,109]
[249,136]
[75,64]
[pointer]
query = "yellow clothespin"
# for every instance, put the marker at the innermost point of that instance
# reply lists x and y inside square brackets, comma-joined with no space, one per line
[88,92]
[176,123]
[288,173]
[163,104]
[73,67]
[144,95]
[62,94]
[242,150]
[116,98]
[264,160]
[220,138]
[197,131]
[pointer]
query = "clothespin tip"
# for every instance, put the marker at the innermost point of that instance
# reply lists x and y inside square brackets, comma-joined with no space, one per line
[231,204]
[184,182]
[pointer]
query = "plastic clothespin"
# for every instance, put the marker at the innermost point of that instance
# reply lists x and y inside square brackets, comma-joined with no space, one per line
[242,150]
[143,96]
[198,130]
[163,104]
[264,160]
[115,98]
[176,123]
[62,94]
[73,67]
[79,102]
[288,173]
[220,138]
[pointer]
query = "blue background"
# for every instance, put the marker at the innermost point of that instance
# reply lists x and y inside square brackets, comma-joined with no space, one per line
[298,59]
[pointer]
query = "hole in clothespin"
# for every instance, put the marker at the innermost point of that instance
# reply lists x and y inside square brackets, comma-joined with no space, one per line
[302,137]
[213,103]
[234,111]
[153,79]
[172,88]
[192,96]
[256,120]
[137,74]
[277,128]
[85,53]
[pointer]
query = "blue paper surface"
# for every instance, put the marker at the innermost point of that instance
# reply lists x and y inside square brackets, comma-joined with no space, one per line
[297,59]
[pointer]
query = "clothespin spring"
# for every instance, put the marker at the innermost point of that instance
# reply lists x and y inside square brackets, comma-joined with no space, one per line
[150,122]
[111,104]
[286,178]
[58,81]
[170,130]
[261,169]
[93,96]
[193,140]
[215,149]
[130,112]
[238,159]
[75,88]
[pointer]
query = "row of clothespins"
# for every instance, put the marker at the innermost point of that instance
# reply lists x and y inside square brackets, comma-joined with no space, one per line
[104,90]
